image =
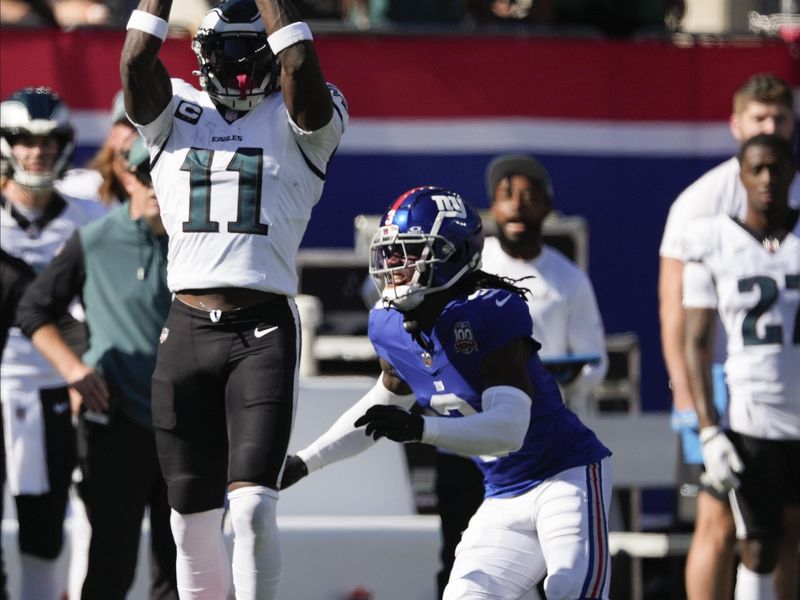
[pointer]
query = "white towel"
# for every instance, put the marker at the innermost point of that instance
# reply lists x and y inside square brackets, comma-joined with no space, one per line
[26,459]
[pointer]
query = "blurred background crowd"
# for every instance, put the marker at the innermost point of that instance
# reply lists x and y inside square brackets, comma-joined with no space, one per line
[609,17]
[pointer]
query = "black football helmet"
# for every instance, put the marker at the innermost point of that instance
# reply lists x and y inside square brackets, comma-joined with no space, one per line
[35,112]
[237,66]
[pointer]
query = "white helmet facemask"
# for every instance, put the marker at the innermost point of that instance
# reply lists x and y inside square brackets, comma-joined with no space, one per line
[35,112]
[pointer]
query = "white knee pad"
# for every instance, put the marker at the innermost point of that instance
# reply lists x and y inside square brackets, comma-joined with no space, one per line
[559,586]
[37,577]
[256,543]
[750,584]
[202,567]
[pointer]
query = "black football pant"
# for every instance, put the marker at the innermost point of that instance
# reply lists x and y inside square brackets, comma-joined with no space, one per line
[41,517]
[223,399]
[120,478]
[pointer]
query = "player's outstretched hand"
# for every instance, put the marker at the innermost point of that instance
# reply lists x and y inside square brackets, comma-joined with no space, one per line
[721,460]
[391,422]
[293,471]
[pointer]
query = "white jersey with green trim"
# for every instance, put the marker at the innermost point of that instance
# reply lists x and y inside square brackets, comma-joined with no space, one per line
[757,294]
[236,197]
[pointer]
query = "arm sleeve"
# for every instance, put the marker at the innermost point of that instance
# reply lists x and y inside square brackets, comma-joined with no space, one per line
[319,146]
[48,297]
[343,440]
[497,431]
[15,275]
[699,288]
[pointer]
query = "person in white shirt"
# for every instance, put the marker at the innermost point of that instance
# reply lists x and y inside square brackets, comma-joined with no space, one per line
[37,138]
[237,169]
[748,272]
[566,318]
[763,104]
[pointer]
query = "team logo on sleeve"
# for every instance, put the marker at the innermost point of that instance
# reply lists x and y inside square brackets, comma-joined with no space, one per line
[164,335]
[465,340]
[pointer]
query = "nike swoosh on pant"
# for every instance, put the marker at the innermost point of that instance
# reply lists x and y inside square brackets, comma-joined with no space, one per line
[259,333]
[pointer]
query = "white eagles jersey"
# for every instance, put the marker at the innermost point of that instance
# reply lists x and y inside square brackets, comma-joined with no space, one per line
[236,197]
[757,295]
[37,248]
[717,192]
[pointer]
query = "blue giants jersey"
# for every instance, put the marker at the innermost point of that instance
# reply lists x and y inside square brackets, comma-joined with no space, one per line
[447,380]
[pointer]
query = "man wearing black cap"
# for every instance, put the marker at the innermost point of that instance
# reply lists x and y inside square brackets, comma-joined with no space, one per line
[117,265]
[566,319]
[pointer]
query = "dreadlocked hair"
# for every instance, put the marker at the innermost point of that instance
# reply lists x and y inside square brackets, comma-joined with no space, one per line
[476,280]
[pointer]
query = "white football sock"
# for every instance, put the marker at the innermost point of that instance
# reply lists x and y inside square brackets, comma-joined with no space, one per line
[80,535]
[754,586]
[256,542]
[202,568]
[37,578]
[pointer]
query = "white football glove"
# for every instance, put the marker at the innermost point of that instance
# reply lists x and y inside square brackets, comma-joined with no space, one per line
[721,460]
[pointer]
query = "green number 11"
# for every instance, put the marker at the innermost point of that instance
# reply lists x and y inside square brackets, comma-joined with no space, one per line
[247,162]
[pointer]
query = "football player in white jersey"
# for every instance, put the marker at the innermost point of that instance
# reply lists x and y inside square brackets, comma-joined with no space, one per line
[748,271]
[763,104]
[237,169]
[35,221]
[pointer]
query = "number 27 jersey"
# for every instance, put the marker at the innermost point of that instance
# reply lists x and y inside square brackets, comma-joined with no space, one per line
[236,198]
[757,294]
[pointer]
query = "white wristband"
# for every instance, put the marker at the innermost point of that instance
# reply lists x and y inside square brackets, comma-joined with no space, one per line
[149,23]
[708,432]
[289,36]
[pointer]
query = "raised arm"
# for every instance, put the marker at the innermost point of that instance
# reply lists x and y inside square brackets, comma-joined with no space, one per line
[145,81]
[305,92]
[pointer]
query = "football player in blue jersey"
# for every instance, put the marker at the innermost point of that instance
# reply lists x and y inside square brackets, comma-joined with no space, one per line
[457,341]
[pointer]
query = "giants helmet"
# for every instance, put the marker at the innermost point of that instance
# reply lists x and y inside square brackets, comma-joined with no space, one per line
[35,112]
[433,230]
[237,66]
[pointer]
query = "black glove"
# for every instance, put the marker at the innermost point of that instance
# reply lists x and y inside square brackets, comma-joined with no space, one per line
[391,422]
[293,471]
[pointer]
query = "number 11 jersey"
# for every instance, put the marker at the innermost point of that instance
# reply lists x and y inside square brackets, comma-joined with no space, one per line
[236,197]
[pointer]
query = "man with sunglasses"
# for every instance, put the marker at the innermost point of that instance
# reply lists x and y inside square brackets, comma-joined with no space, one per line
[117,265]
[237,168]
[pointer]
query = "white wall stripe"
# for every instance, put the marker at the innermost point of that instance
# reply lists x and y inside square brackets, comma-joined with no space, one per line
[487,136]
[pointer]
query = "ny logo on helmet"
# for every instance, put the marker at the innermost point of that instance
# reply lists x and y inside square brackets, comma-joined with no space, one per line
[450,206]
